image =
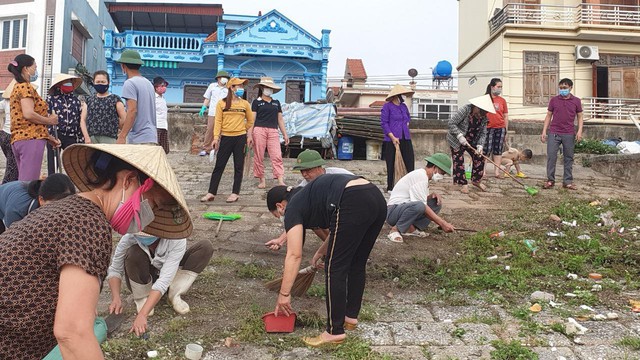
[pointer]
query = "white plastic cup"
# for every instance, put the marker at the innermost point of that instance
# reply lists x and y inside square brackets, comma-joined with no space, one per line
[193,352]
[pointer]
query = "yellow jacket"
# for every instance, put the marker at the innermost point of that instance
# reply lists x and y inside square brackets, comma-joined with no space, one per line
[232,122]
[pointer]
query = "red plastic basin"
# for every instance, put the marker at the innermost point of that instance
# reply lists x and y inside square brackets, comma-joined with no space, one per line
[280,323]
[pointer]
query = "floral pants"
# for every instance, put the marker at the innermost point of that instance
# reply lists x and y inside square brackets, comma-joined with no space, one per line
[477,170]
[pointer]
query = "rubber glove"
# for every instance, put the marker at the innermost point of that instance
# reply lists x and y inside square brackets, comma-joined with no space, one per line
[462,140]
[202,110]
[479,149]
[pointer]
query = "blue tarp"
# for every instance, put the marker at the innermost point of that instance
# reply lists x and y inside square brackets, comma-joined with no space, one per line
[310,121]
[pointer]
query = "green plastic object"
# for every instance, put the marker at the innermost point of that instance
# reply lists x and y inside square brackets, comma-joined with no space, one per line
[219,216]
[99,329]
[531,190]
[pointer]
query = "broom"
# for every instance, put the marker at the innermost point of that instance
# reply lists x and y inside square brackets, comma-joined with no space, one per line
[303,282]
[399,170]
[248,154]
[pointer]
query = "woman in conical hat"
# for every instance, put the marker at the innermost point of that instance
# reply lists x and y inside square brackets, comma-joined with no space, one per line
[394,119]
[53,262]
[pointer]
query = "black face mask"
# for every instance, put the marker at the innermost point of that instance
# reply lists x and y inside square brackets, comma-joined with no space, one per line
[101,88]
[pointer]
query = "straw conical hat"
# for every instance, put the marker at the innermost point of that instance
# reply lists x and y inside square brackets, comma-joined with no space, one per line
[9,89]
[149,159]
[76,81]
[399,90]
[484,102]
[268,82]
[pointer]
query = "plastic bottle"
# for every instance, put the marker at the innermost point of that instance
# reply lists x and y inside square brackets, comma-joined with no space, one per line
[497,235]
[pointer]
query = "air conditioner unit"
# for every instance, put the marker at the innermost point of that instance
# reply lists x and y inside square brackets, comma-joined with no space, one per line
[587,52]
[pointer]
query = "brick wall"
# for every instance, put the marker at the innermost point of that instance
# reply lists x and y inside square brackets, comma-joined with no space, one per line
[5,58]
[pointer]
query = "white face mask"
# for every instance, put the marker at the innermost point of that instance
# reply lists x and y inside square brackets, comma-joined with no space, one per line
[267,92]
[437,177]
[223,80]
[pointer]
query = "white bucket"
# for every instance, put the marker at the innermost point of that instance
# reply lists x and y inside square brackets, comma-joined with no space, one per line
[374,149]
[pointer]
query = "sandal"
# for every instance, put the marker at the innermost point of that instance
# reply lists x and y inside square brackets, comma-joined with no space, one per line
[416,233]
[395,237]
[207,198]
[464,189]
[233,198]
[480,186]
[548,185]
[521,175]
[350,326]
[570,186]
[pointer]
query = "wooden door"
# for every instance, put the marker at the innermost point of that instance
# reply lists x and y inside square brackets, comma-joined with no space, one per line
[623,82]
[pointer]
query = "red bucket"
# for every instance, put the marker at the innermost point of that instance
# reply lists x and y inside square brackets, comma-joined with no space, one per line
[280,323]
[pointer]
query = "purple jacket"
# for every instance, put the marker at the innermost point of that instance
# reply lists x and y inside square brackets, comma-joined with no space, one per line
[395,119]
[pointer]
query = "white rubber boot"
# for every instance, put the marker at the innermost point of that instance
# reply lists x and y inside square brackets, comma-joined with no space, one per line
[181,284]
[140,294]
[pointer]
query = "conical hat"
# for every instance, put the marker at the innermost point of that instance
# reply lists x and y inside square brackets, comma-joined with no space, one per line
[268,82]
[149,159]
[484,102]
[9,89]
[399,90]
[76,81]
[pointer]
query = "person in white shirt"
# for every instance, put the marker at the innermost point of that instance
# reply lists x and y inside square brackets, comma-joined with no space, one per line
[215,92]
[160,87]
[11,170]
[152,266]
[410,207]
[311,165]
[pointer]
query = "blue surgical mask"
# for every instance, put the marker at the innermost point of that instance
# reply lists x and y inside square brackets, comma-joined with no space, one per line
[239,92]
[564,92]
[145,240]
[33,77]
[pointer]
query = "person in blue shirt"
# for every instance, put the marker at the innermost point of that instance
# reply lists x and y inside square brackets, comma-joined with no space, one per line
[19,198]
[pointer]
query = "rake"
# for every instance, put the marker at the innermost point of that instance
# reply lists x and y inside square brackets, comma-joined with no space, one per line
[220,217]
[303,282]
[529,189]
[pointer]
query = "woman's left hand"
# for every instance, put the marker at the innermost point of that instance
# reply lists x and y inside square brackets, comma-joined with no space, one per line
[283,305]
[317,260]
[139,326]
[286,139]
[250,141]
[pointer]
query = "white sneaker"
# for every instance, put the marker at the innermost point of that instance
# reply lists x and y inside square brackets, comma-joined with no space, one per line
[203,153]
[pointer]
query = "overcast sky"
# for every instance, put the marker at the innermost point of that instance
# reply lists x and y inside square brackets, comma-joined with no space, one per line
[389,36]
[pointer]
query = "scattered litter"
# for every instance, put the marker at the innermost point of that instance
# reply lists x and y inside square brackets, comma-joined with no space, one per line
[152,354]
[396,279]
[497,235]
[389,295]
[635,306]
[607,219]
[212,156]
[447,321]
[230,342]
[555,234]
[572,327]
[594,203]
[554,218]
[531,245]
[596,288]
[492,258]
[638,216]
[595,276]
[635,228]
[572,224]
[571,295]
[507,267]
[571,276]
[612,316]
[584,237]
[542,296]
[588,308]
[599,317]
[536,308]
[621,230]
[554,304]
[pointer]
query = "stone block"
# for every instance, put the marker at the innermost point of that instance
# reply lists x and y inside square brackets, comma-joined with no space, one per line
[553,353]
[454,313]
[608,352]
[459,352]
[378,334]
[401,352]
[415,333]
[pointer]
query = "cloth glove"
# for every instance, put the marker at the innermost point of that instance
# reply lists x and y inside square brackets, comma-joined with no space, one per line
[479,149]
[462,140]
[202,110]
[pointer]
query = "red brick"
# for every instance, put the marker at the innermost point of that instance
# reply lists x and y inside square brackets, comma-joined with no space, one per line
[5,58]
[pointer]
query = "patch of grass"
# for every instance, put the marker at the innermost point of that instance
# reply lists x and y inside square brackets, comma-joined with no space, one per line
[511,351]
[480,319]
[354,348]
[254,271]
[317,290]
[415,273]
[367,313]
[458,332]
[631,342]
[311,319]
[592,146]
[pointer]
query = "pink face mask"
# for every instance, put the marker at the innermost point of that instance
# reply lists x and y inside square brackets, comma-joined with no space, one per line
[135,214]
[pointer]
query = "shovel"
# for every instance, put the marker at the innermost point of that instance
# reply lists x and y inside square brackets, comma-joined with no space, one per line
[220,217]
[530,190]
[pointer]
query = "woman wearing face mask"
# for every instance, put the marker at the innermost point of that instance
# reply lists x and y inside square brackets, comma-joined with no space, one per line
[65,103]
[497,125]
[104,113]
[467,132]
[20,198]
[232,130]
[29,119]
[268,114]
[153,266]
[52,264]
[394,120]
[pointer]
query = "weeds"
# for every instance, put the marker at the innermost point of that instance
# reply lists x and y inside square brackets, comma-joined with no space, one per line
[354,348]
[317,290]
[631,342]
[592,146]
[511,351]
[254,271]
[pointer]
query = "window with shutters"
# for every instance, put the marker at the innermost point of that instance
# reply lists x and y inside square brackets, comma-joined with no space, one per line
[541,76]
[77,44]
[13,33]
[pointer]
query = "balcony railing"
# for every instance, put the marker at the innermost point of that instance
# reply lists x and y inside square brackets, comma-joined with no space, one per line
[152,40]
[604,109]
[565,16]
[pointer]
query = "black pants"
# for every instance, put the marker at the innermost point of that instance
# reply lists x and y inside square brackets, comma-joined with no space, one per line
[65,141]
[229,145]
[353,232]
[406,149]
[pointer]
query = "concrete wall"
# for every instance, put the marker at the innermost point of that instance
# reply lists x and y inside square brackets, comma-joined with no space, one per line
[486,65]
[625,167]
[473,28]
